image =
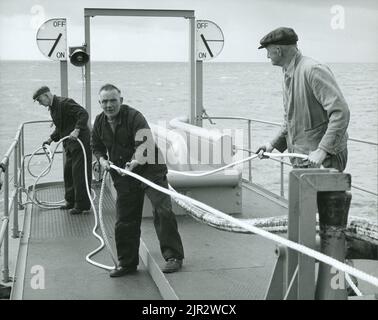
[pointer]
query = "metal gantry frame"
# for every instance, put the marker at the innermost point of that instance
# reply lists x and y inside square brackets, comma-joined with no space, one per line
[187,14]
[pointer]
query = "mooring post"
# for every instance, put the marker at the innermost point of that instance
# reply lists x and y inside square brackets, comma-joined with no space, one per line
[333,216]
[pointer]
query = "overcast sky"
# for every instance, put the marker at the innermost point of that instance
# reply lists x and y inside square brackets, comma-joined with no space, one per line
[330,31]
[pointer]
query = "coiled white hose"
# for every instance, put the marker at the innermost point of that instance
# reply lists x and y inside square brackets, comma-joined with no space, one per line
[50,156]
[55,205]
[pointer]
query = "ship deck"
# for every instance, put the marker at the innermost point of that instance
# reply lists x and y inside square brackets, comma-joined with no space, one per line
[218,264]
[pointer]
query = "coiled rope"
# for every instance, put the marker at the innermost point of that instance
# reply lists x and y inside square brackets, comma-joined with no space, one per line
[50,157]
[55,205]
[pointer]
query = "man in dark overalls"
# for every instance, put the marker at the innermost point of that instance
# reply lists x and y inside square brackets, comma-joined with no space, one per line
[115,137]
[70,119]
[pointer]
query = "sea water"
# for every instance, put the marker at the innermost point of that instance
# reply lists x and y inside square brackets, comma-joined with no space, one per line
[161,92]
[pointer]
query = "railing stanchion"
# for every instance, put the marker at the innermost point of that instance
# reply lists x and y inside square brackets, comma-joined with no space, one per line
[15,232]
[6,217]
[23,155]
[249,152]
[282,179]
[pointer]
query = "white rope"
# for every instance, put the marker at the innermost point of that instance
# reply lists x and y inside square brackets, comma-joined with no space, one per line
[53,205]
[270,155]
[50,156]
[352,285]
[102,226]
[295,246]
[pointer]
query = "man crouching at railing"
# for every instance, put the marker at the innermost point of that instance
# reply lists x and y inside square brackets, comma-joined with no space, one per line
[115,132]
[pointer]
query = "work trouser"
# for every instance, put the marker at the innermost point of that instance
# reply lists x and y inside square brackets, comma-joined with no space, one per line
[74,175]
[129,205]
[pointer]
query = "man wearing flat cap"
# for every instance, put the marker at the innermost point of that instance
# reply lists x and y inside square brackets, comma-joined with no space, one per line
[316,115]
[70,119]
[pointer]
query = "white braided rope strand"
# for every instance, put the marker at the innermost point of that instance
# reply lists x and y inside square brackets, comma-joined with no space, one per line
[295,246]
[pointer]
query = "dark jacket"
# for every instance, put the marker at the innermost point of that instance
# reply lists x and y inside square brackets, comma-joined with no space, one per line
[68,115]
[132,140]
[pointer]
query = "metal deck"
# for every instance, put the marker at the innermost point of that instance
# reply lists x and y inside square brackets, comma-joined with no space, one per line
[218,264]
[58,242]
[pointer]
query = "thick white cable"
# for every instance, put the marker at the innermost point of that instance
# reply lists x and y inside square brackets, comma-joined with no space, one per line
[295,246]
[270,155]
[89,255]
[207,173]
[50,156]
[53,205]
[352,285]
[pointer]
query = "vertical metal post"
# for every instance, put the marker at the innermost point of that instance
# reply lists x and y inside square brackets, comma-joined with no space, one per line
[292,231]
[199,93]
[6,237]
[282,191]
[21,182]
[23,154]
[64,91]
[333,217]
[307,234]
[87,23]
[192,61]
[64,78]
[16,185]
[249,150]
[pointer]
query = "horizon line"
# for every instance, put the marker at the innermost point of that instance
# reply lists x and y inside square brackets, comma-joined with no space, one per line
[173,61]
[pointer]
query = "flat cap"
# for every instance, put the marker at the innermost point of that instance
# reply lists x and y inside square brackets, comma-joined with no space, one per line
[280,35]
[40,91]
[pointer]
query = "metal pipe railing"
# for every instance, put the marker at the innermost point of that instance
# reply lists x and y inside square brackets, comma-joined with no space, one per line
[5,239]
[250,152]
[249,120]
[17,148]
[16,186]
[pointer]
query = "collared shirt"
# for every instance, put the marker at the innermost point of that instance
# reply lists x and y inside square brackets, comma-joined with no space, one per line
[316,114]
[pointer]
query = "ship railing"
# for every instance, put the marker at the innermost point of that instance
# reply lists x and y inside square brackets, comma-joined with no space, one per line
[283,163]
[12,197]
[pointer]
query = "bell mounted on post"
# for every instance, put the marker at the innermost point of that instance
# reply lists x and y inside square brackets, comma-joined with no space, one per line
[78,56]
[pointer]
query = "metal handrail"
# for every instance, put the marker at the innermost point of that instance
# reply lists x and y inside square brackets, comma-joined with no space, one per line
[250,120]
[17,148]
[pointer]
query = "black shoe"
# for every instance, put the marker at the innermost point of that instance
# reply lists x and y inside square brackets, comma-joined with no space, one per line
[78,211]
[67,206]
[172,265]
[122,271]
